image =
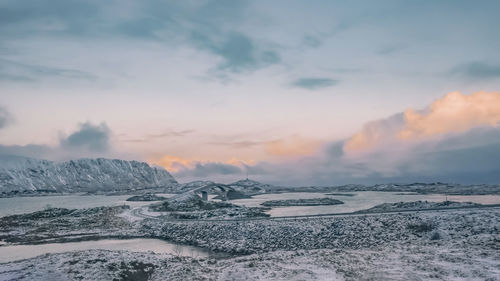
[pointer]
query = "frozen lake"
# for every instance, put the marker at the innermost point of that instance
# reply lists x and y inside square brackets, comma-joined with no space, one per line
[358,201]
[19,252]
[20,205]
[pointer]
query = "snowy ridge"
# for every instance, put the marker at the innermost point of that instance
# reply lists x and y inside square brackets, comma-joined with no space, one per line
[82,175]
[250,186]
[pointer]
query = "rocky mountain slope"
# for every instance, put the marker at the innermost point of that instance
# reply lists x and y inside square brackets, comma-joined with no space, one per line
[19,174]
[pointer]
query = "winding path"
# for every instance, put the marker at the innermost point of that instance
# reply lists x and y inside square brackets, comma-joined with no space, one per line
[138,212]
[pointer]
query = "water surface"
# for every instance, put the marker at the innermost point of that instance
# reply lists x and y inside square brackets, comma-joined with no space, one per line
[20,205]
[360,201]
[19,252]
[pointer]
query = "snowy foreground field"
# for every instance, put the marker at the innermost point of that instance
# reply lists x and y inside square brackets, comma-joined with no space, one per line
[457,244]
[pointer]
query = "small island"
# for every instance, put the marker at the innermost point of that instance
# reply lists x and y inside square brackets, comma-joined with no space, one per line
[418,206]
[341,194]
[302,202]
[147,197]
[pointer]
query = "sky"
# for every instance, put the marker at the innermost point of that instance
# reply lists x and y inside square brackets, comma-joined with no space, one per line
[288,92]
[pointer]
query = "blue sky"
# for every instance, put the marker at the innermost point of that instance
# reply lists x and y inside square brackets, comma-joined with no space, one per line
[215,88]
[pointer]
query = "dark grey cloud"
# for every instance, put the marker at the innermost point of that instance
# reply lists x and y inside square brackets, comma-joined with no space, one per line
[24,18]
[94,138]
[30,150]
[15,71]
[471,157]
[238,52]
[314,83]
[312,41]
[87,141]
[477,70]
[5,117]
[209,170]
[203,25]
[389,50]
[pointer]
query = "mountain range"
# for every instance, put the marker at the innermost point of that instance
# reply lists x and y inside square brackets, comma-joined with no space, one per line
[21,175]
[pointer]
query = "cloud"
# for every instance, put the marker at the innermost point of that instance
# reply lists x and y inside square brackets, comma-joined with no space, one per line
[94,138]
[209,170]
[238,52]
[392,49]
[374,133]
[477,71]
[166,134]
[5,117]
[171,133]
[30,150]
[455,139]
[15,71]
[311,83]
[454,113]
[292,146]
[311,41]
[202,25]
[87,141]
[238,144]
[185,169]
[172,163]
[472,156]
[58,16]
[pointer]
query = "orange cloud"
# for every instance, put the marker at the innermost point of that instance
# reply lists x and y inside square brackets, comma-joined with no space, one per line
[374,133]
[453,113]
[293,146]
[174,163]
[171,163]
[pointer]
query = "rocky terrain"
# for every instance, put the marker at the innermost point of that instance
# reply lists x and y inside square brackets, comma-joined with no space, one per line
[59,225]
[188,201]
[190,206]
[19,175]
[236,212]
[353,232]
[418,205]
[422,188]
[236,190]
[419,246]
[250,186]
[302,202]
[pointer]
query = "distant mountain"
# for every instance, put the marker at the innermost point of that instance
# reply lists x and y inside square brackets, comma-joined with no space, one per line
[422,188]
[20,174]
[244,186]
[250,186]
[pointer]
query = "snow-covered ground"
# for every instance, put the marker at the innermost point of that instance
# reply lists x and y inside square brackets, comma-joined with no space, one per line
[418,205]
[402,261]
[345,232]
[454,244]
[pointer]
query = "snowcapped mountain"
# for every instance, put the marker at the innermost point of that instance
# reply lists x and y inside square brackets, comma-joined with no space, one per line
[246,186]
[83,175]
[250,186]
